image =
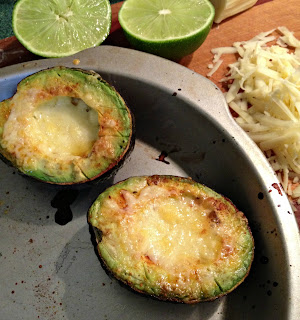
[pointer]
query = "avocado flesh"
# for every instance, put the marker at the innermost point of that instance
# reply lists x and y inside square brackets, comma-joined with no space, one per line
[65,126]
[172,238]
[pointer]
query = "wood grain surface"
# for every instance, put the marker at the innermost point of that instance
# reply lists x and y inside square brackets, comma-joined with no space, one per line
[264,16]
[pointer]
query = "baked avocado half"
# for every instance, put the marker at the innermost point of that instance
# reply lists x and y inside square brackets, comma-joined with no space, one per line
[65,126]
[172,238]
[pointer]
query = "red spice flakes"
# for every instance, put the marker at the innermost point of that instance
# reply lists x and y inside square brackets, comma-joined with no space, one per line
[277,187]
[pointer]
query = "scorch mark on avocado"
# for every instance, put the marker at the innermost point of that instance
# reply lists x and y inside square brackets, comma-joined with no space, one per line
[148,260]
[214,217]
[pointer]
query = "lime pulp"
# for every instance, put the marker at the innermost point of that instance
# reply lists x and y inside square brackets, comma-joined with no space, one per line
[60,28]
[170,28]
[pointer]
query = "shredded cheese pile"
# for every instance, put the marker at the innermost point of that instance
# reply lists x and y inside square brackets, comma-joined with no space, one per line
[265,94]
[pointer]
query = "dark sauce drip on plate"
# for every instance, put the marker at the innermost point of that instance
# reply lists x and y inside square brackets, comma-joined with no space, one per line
[62,201]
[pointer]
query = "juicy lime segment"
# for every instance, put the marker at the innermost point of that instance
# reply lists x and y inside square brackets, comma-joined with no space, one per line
[163,20]
[170,28]
[61,27]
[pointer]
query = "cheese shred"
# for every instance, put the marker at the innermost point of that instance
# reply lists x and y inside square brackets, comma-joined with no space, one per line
[266,79]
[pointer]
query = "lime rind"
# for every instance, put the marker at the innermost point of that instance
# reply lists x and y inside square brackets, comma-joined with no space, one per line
[170,29]
[138,24]
[61,28]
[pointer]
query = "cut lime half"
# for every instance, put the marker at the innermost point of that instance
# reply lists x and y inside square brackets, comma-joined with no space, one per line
[57,28]
[168,28]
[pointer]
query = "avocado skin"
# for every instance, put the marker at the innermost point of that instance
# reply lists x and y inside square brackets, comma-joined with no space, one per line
[65,81]
[144,280]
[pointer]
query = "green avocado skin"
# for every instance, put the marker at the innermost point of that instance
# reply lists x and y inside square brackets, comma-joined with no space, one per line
[146,278]
[98,95]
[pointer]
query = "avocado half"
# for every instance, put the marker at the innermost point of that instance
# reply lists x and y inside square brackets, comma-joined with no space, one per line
[65,126]
[172,238]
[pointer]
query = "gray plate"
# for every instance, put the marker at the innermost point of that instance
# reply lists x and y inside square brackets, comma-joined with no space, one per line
[51,271]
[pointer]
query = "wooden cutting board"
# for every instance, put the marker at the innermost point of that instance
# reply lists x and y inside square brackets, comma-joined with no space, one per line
[264,16]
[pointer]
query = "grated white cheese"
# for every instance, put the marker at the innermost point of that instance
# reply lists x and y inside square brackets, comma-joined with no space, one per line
[215,68]
[267,77]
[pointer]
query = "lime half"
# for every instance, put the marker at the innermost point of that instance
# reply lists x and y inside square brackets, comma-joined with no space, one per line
[168,28]
[57,28]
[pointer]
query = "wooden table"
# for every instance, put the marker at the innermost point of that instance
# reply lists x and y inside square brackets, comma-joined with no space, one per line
[264,16]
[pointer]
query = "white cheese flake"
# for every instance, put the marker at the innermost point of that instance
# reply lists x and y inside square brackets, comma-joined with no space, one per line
[215,68]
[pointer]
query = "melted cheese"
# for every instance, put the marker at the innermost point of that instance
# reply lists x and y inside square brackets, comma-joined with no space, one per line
[61,128]
[173,232]
[176,233]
